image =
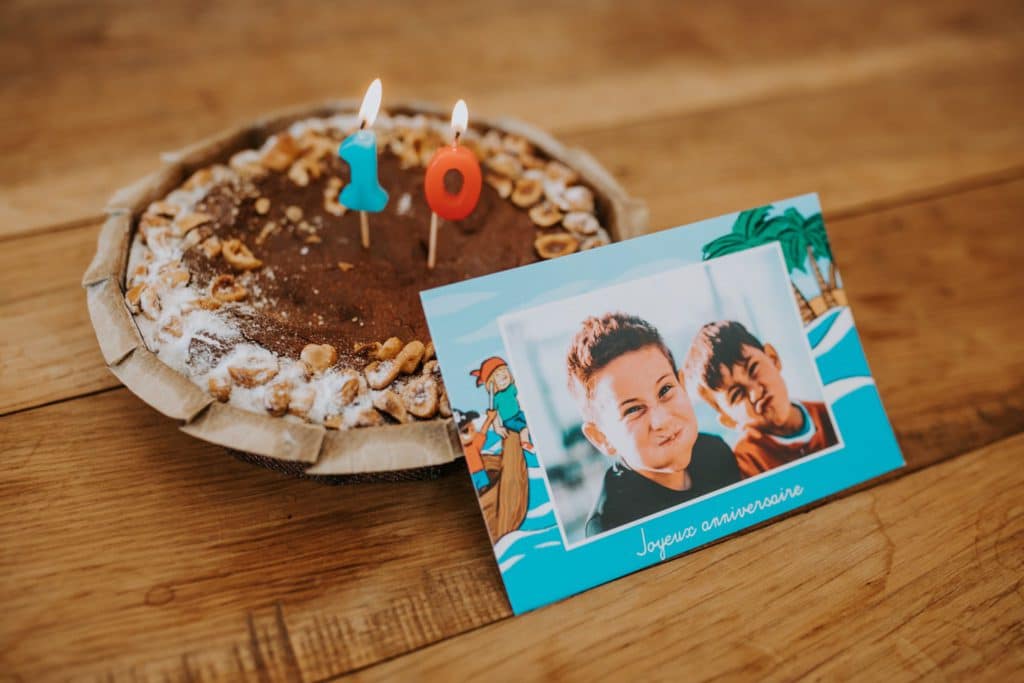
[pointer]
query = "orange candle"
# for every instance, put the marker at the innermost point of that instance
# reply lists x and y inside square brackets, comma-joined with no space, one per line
[447,205]
[453,206]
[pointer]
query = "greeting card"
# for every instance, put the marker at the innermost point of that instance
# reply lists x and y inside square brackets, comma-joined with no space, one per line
[620,406]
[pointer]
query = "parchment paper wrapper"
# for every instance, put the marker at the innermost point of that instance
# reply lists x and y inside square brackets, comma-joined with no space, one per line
[388,452]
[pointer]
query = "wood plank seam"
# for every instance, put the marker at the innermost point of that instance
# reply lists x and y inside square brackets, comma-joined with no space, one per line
[941,191]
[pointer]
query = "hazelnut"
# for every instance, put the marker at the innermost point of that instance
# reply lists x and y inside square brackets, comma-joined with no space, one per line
[200,178]
[184,224]
[420,397]
[278,398]
[225,289]
[253,371]
[409,357]
[220,388]
[389,402]
[553,246]
[302,401]
[545,214]
[351,388]
[527,193]
[331,192]
[173,327]
[579,198]
[210,247]
[598,240]
[505,165]
[389,349]
[281,153]
[293,213]
[266,231]
[581,223]
[532,162]
[173,275]
[517,144]
[381,373]
[239,256]
[559,172]
[319,357]
[149,302]
[207,304]
[133,296]
[262,206]
[298,173]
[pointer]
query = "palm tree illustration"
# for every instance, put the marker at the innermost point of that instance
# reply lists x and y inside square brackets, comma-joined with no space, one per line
[803,241]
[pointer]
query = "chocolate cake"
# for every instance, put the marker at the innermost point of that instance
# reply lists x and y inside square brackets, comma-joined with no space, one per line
[250,279]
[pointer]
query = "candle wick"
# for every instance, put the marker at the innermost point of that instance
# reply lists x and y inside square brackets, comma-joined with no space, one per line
[458,134]
[362,124]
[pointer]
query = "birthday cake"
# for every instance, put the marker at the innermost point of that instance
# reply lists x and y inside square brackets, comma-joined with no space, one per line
[250,278]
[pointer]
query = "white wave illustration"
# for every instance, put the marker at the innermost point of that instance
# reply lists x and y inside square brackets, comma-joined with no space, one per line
[818,322]
[540,510]
[535,472]
[508,564]
[841,387]
[511,537]
[840,328]
[548,544]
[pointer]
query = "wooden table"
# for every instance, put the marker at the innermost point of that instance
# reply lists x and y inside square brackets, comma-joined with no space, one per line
[129,551]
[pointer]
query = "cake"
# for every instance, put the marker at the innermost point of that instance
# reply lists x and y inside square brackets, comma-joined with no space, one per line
[246,276]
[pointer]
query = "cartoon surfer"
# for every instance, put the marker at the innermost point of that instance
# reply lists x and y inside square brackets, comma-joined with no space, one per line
[494,374]
[501,480]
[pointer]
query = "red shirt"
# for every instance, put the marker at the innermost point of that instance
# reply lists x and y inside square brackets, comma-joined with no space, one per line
[757,452]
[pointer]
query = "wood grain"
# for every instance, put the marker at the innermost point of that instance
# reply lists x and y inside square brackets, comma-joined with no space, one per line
[130,551]
[348,577]
[905,600]
[139,549]
[48,351]
[78,125]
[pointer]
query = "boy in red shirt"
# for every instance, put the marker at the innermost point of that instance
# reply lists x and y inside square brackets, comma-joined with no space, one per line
[741,378]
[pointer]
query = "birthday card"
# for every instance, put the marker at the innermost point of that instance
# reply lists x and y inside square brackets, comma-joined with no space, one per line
[620,406]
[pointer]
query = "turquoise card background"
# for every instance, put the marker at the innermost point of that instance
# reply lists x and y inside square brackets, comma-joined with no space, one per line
[535,563]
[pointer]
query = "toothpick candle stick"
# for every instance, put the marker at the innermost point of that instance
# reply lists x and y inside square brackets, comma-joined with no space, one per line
[445,204]
[363,192]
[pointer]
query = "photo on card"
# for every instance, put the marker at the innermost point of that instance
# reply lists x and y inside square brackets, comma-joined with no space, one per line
[651,402]
[620,406]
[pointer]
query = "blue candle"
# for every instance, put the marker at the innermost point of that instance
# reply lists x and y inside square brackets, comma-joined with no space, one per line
[363,192]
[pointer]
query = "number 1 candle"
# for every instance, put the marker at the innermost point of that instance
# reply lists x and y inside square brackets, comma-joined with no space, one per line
[363,192]
[448,205]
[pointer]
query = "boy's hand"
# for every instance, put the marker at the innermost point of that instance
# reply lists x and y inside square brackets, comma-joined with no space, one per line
[502,432]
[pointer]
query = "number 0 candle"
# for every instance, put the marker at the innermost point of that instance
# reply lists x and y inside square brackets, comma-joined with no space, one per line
[363,192]
[448,205]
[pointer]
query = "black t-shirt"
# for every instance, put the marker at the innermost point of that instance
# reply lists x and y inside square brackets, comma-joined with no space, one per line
[627,496]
